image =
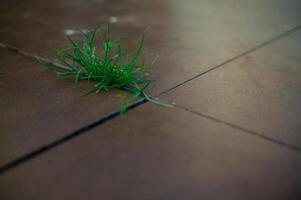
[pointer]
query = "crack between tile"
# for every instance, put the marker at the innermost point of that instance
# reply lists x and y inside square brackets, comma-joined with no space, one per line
[64,139]
[267,42]
[261,136]
[113,115]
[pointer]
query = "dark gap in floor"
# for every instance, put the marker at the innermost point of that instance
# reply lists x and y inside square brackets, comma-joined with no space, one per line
[65,138]
[262,136]
[111,116]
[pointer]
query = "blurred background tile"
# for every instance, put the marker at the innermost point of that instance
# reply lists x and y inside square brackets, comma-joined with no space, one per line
[260,91]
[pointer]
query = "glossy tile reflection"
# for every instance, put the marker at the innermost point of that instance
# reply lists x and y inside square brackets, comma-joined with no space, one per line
[260,91]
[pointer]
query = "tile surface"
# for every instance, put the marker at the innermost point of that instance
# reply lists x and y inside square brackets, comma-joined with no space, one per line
[154,153]
[38,107]
[170,154]
[260,91]
[189,36]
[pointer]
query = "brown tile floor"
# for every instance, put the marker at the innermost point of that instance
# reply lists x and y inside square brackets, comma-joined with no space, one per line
[260,91]
[233,135]
[155,153]
[39,108]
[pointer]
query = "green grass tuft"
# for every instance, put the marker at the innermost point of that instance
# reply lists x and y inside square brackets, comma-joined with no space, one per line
[110,66]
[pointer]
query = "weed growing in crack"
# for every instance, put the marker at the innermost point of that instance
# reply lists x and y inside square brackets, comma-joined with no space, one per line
[109,67]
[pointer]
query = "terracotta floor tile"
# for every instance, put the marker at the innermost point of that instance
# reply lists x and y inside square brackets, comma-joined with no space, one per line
[260,92]
[155,153]
[37,107]
[152,152]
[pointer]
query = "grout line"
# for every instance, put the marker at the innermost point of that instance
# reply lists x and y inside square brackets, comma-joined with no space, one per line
[65,138]
[262,136]
[31,55]
[293,30]
[113,115]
